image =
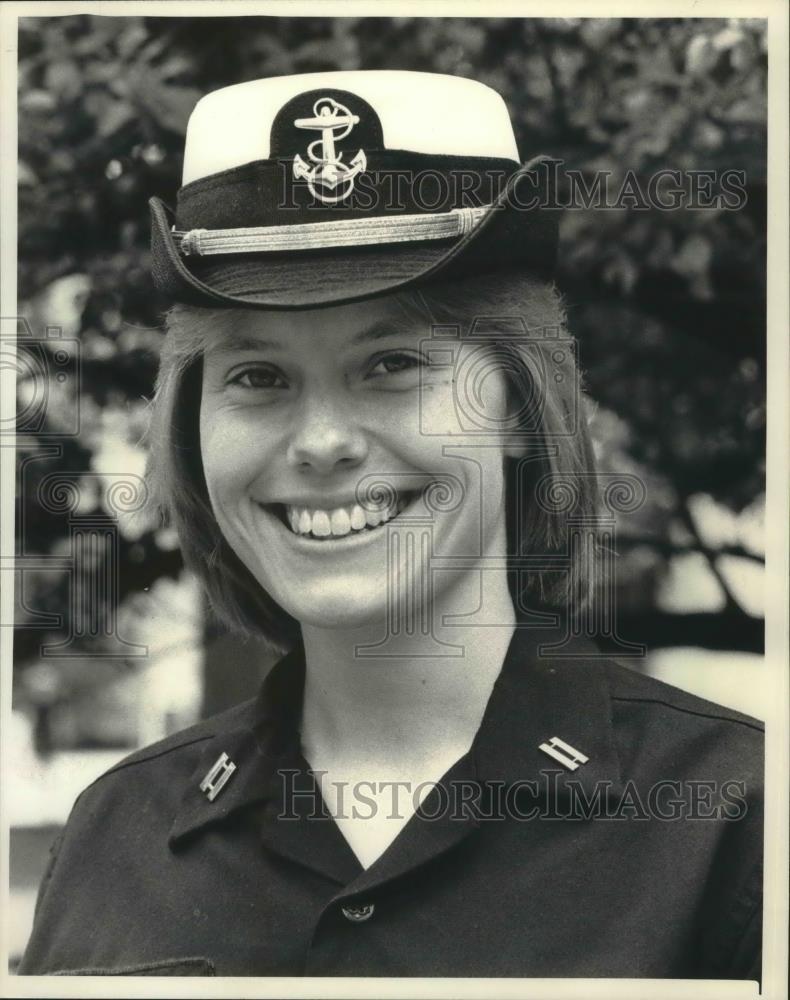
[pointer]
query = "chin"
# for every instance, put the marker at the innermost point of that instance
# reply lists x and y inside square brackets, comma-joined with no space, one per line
[337,616]
[337,605]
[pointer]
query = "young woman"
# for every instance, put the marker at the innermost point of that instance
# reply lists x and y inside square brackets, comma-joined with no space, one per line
[369,433]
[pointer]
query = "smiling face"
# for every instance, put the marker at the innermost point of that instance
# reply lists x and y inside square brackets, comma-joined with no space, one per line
[301,412]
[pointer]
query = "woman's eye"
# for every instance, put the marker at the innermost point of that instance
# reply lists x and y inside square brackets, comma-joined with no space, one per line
[259,378]
[395,362]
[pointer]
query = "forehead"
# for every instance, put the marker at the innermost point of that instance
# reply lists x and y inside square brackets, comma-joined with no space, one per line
[337,326]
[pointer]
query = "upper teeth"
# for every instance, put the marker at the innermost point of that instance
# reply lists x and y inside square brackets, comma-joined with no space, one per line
[340,521]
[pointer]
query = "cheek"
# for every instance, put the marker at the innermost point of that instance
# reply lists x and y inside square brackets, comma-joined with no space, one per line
[227,448]
[483,400]
[472,400]
[434,412]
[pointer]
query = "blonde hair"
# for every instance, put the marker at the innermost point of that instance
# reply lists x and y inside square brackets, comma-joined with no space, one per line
[520,318]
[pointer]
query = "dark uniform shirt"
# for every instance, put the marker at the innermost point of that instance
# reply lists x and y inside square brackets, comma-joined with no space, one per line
[642,861]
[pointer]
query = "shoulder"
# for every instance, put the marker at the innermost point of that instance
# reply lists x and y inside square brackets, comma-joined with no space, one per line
[116,840]
[683,734]
[627,685]
[117,818]
[157,772]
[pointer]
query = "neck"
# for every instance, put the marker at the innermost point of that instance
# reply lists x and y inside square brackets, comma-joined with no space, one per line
[406,702]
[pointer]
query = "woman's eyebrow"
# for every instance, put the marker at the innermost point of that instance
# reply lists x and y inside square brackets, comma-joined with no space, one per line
[384,328]
[230,342]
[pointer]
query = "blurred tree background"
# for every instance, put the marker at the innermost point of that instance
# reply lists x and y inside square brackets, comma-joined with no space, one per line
[668,306]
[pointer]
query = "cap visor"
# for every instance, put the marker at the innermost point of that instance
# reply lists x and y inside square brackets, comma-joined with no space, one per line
[319,276]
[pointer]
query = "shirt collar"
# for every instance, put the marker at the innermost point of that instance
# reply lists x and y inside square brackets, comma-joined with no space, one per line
[550,687]
[545,690]
[261,743]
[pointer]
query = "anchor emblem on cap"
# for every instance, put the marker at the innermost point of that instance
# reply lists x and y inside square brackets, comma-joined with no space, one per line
[330,180]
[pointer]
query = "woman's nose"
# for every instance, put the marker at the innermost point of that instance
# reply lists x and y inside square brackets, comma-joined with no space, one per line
[326,437]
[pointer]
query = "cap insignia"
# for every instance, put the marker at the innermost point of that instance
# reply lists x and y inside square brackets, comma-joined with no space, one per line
[329,179]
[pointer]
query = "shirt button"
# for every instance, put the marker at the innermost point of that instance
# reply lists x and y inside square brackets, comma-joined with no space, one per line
[356,914]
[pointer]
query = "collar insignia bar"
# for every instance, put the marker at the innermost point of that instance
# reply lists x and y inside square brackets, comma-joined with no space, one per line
[217,777]
[570,758]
